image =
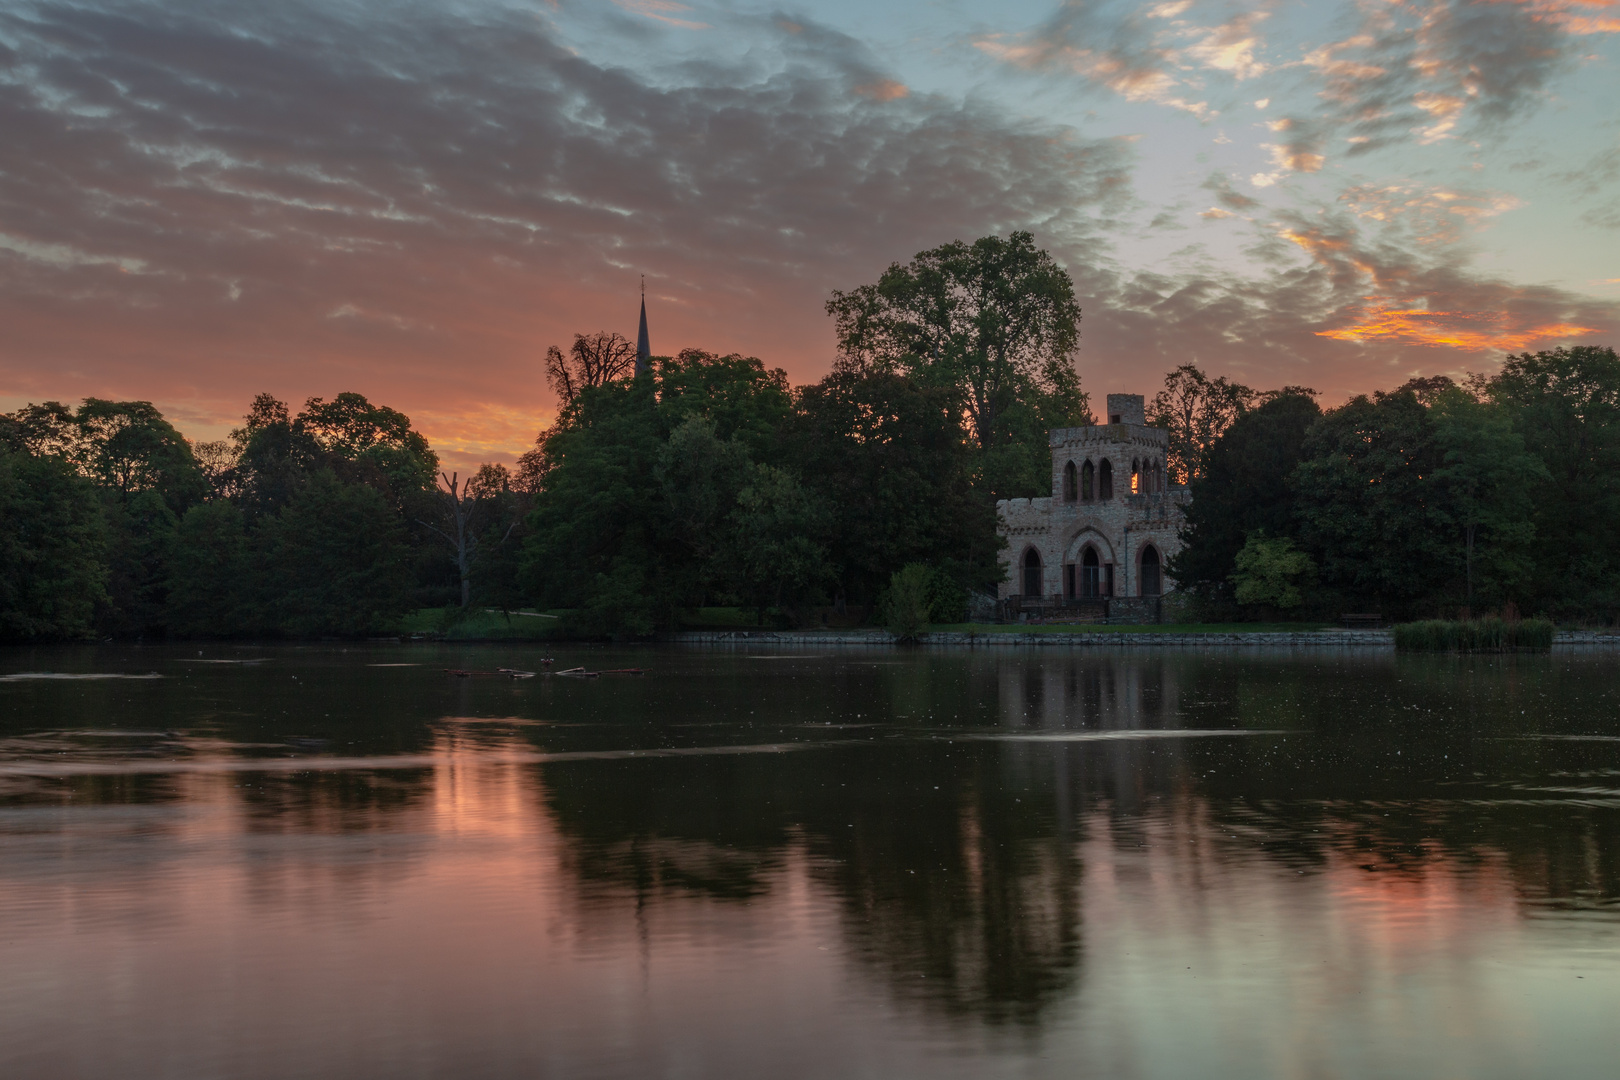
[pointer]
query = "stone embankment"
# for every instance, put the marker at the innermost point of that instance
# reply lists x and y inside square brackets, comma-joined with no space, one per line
[1315,639]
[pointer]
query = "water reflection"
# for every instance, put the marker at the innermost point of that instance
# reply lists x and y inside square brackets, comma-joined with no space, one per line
[1024,863]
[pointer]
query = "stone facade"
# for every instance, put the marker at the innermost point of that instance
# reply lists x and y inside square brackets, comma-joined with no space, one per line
[1112,519]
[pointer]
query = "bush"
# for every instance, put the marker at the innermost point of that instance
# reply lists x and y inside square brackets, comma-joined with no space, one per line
[1474,635]
[1271,572]
[904,606]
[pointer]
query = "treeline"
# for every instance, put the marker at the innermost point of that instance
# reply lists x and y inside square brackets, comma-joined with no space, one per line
[1500,493]
[113,525]
[706,481]
[710,481]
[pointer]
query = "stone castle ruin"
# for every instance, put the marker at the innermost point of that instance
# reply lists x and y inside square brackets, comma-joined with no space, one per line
[1097,547]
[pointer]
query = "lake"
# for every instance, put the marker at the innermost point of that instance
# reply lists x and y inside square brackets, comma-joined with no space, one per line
[340,861]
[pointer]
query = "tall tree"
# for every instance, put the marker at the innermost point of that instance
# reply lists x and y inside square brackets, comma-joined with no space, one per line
[890,460]
[1566,405]
[1488,478]
[593,360]
[1196,410]
[1372,512]
[1242,489]
[334,561]
[52,548]
[466,516]
[210,587]
[997,320]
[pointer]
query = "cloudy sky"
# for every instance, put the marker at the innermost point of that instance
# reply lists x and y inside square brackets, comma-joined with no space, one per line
[202,200]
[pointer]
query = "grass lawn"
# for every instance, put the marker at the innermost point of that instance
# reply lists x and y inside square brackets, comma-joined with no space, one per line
[1148,628]
[480,624]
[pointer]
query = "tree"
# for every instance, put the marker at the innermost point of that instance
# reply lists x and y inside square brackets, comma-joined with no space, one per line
[904,607]
[1371,510]
[52,542]
[996,320]
[210,586]
[378,439]
[125,447]
[1566,405]
[634,520]
[594,360]
[1270,572]
[1488,477]
[888,458]
[1196,410]
[334,560]
[1243,488]
[774,551]
[466,514]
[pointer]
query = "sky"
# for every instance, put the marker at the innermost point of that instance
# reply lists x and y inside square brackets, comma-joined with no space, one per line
[201,201]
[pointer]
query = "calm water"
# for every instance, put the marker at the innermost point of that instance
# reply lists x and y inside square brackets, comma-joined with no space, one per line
[330,862]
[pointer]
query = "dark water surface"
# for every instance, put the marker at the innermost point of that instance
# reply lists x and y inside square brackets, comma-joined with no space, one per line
[341,862]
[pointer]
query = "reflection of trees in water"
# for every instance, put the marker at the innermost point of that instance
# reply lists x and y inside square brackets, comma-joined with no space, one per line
[950,881]
[956,865]
[964,896]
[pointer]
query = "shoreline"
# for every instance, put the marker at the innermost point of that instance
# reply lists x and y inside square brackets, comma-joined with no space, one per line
[1104,639]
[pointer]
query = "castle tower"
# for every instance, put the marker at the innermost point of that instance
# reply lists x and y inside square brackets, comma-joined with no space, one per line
[1101,540]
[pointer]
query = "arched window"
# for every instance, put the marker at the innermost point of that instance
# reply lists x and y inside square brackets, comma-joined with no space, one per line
[1071,486]
[1105,480]
[1090,574]
[1088,482]
[1136,476]
[1158,477]
[1032,573]
[1152,580]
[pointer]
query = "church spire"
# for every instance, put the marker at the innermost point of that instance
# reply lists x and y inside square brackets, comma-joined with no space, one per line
[643,350]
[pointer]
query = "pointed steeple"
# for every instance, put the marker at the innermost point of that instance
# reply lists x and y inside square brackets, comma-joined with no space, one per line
[643,350]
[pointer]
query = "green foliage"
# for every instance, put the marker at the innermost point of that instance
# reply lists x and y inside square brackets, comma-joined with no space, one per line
[52,549]
[1487,477]
[140,543]
[210,583]
[123,446]
[997,323]
[660,495]
[1565,403]
[1196,411]
[335,561]
[1244,488]
[894,470]
[1370,508]
[1271,572]
[904,606]
[775,557]
[1474,635]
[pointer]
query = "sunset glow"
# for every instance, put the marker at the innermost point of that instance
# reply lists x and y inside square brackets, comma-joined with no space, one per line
[198,205]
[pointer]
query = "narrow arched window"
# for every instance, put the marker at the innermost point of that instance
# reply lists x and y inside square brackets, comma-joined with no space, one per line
[1071,486]
[1088,477]
[1151,578]
[1032,573]
[1105,480]
[1136,476]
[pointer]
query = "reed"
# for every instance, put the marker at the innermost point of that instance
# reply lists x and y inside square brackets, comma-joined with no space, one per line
[1475,635]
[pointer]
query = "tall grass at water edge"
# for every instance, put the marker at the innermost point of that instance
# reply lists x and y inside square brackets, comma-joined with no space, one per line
[1474,635]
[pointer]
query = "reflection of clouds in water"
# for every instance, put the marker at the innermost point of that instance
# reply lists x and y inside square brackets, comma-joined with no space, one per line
[37,676]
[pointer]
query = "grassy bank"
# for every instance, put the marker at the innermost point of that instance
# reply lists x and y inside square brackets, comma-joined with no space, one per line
[480,624]
[1474,635]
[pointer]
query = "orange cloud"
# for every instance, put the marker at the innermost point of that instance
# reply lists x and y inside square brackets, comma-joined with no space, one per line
[1472,330]
[882,90]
